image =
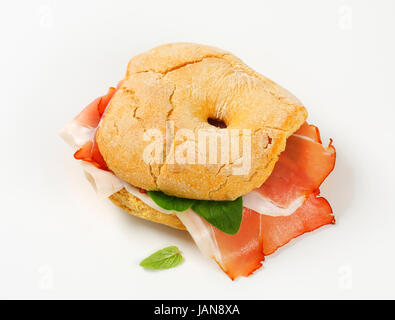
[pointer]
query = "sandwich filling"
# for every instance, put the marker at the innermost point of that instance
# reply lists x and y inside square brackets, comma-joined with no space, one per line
[285,206]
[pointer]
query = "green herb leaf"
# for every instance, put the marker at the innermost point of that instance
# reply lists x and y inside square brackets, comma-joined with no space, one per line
[224,215]
[169,202]
[163,259]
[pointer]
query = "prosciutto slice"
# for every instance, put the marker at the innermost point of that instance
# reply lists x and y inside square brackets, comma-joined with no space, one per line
[292,189]
[278,231]
[259,235]
[93,112]
[81,131]
[89,152]
[237,255]
[301,168]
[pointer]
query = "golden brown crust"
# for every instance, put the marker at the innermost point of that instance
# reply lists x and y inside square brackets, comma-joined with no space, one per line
[138,208]
[188,83]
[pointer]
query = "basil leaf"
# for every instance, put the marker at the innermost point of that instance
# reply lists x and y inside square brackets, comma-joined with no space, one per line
[166,258]
[169,202]
[224,215]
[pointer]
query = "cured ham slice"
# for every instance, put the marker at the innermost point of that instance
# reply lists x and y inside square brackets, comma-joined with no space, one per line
[105,183]
[259,235]
[242,253]
[301,168]
[89,152]
[291,198]
[278,231]
[237,255]
[93,112]
[81,131]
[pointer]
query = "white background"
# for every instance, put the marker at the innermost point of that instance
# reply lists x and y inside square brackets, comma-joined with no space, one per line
[58,240]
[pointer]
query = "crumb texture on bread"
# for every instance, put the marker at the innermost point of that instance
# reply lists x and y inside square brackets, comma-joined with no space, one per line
[138,208]
[188,84]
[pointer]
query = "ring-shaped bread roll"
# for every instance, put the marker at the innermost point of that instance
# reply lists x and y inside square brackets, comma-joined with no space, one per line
[182,86]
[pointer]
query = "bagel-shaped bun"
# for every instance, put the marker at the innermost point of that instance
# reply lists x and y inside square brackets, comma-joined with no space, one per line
[190,84]
[138,208]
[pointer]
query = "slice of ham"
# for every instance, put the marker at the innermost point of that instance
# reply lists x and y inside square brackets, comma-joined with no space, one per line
[89,152]
[87,122]
[237,255]
[278,231]
[301,168]
[299,172]
[259,235]
[90,117]
[82,129]
[242,254]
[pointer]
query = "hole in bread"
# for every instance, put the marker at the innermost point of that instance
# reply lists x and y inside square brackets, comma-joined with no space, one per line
[216,123]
